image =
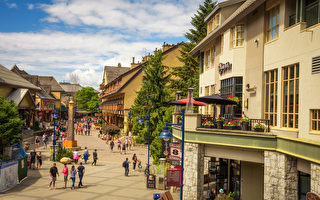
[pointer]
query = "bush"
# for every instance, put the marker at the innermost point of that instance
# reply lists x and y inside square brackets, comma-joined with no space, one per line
[64,153]
[36,126]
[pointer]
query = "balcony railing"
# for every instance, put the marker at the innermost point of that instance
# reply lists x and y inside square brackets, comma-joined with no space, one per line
[234,124]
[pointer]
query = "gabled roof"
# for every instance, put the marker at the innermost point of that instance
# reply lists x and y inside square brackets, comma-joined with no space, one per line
[44,95]
[17,95]
[222,4]
[9,78]
[52,82]
[113,72]
[71,87]
[246,8]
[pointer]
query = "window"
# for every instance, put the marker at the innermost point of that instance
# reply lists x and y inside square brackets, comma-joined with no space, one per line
[290,96]
[221,43]
[213,55]
[311,12]
[272,30]
[217,20]
[210,26]
[315,120]
[303,185]
[207,59]
[270,102]
[206,93]
[232,87]
[237,36]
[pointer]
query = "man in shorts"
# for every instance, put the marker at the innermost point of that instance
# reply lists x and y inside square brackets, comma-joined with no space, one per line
[33,159]
[53,176]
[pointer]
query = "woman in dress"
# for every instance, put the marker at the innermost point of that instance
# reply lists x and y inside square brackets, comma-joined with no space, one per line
[37,142]
[39,160]
[134,161]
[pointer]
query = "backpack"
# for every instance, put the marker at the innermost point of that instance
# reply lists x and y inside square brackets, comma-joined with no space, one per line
[124,164]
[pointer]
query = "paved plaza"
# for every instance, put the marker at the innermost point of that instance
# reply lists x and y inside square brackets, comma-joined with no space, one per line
[104,181]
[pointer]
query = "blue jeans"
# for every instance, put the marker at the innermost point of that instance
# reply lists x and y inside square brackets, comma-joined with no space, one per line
[73,180]
[126,172]
[80,180]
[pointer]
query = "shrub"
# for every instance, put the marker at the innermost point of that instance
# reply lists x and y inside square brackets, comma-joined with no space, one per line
[64,153]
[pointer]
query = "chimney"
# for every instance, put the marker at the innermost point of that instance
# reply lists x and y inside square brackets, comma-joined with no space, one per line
[132,60]
[133,64]
[119,64]
[166,46]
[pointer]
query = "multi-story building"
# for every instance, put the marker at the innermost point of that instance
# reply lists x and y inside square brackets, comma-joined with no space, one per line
[266,53]
[119,92]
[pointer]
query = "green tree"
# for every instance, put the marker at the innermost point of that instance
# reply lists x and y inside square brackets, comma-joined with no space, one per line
[188,74]
[10,124]
[87,99]
[154,94]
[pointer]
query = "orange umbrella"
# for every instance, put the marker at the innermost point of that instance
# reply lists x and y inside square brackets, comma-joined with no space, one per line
[197,103]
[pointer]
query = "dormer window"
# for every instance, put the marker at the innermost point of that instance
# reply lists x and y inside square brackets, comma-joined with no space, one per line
[216,20]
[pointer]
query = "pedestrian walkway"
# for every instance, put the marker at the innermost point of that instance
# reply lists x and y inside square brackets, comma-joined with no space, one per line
[104,181]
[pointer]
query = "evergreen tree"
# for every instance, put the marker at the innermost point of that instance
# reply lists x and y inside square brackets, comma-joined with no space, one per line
[188,74]
[10,124]
[87,99]
[154,94]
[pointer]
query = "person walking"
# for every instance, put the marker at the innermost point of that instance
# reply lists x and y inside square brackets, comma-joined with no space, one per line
[73,173]
[85,130]
[76,156]
[127,143]
[37,142]
[89,127]
[125,164]
[45,140]
[111,145]
[81,171]
[33,155]
[123,148]
[95,157]
[65,172]
[119,144]
[134,161]
[39,160]
[53,176]
[85,155]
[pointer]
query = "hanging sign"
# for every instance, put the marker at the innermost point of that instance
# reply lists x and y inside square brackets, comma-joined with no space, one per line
[224,67]
[175,151]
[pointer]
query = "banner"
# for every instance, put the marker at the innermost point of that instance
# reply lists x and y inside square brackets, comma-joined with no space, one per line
[9,175]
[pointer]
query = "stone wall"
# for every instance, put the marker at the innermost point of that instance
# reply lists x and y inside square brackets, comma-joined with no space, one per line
[280,176]
[193,171]
[315,178]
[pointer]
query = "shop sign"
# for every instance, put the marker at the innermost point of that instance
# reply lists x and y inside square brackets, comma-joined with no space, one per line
[224,67]
[175,151]
[173,177]
[312,196]
[151,181]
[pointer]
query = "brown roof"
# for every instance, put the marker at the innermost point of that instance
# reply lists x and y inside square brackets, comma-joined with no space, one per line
[71,87]
[247,7]
[9,78]
[113,72]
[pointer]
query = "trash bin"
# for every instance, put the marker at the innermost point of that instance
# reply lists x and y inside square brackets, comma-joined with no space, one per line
[156,196]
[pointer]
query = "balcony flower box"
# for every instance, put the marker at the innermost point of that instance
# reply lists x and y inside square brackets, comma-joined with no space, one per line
[233,125]
[219,122]
[259,127]
[207,123]
[244,122]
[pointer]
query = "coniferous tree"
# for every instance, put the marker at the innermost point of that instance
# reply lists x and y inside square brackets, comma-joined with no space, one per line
[188,74]
[154,94]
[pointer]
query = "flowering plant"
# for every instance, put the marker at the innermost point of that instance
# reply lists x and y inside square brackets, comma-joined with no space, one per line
[207,123]
[220,119]
[232,123]
[236,99]
[179,117]
[260,126]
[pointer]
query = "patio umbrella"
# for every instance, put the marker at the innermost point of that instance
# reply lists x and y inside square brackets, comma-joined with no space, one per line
[182,102]
[216,99]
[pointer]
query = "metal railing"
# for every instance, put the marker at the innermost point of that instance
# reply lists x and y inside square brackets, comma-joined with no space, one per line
[210,122]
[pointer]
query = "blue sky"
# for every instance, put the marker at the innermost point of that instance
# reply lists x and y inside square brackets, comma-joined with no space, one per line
[63,37]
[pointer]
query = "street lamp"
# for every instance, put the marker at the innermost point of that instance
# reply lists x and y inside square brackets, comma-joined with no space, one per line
[54,133]
[166,135]
[141,121]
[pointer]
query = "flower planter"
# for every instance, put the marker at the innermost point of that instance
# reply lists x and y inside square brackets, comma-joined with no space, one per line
[259,129]
[220,125]
[245,126]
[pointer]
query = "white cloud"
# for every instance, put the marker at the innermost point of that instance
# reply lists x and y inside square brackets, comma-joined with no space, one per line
[30,6]
[12,5]
[170,18]
[58,53]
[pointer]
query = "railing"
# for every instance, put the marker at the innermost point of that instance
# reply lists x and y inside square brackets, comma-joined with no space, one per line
[210,122]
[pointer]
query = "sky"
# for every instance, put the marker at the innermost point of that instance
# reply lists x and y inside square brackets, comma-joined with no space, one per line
[63,37]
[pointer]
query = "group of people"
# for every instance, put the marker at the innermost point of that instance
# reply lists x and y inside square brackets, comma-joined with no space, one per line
[85,156]
[65,171]
[35,160]
[126,164]
[83,127]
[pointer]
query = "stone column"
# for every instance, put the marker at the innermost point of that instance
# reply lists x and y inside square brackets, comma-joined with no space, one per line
[280,176]
[315,178]
[193,171]
[70,142]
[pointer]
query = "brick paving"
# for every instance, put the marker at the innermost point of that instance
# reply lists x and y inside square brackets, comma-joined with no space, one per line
[104,181]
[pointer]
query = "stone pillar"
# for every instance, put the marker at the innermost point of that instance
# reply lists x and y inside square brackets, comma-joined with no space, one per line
[193,171]
[70,142]
[315,178]
[280,176]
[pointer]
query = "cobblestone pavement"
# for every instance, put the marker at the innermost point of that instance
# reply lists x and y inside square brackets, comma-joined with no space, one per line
[104,181]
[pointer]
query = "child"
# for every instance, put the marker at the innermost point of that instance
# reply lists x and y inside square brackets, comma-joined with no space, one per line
[65,172]
[73,173]
[76,156]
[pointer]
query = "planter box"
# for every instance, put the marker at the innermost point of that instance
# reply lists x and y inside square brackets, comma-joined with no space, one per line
[219,125]
[245,126]
[259,129]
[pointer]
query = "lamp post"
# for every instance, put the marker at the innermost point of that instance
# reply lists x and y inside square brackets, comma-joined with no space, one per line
[140,121]
[54,133]
[166,134]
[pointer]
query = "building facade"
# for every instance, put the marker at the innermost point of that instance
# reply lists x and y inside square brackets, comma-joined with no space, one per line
[267,54]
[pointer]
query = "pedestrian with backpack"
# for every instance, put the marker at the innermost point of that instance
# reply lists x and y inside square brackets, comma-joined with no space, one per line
[125,164]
